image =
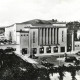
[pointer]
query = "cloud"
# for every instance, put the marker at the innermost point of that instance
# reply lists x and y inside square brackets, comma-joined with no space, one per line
[12,11]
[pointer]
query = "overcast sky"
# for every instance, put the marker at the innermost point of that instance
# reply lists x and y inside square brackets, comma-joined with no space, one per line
[15,11]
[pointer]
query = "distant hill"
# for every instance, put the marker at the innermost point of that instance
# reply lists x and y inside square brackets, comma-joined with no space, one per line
[38,21]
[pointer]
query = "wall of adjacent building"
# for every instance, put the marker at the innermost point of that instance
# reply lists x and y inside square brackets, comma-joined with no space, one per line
[11,30]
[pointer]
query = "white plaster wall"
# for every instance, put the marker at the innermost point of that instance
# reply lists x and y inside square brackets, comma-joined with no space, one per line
[17,37]
[24,41]
[64,42]
[22,26]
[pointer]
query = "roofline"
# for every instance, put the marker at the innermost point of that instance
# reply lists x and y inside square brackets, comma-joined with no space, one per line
[46,27]
[37,25]
[59,23]
[10,25]
[2,27]
[23,31]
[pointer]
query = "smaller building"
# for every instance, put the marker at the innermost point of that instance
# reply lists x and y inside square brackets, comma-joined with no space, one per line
[77,40]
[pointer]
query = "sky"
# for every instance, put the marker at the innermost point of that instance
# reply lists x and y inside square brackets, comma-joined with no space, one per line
[16,11]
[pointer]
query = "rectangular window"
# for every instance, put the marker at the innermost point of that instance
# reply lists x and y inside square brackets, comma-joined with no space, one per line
[42,50]
[62,49]
[62,36]
[55,49]
[24,51]
[33,37]
[34,50]
[48,49]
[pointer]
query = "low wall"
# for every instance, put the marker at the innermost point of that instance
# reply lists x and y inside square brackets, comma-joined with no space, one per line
[16,46]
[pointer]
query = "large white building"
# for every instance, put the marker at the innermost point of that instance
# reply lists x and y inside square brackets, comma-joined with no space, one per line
[38,38]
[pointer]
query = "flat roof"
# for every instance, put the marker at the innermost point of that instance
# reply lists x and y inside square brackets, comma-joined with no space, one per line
[23,31]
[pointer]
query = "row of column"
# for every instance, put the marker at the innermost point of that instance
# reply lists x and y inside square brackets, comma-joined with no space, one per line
[48,36]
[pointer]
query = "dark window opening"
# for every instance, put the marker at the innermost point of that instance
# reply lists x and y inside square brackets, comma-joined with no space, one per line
[69,48]
[42,50]
[55,49]
[62,49]
[24,51]
[33,37]
[48,49]
[34,50]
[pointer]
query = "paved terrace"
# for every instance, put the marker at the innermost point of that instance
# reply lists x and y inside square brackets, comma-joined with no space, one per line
[56,58]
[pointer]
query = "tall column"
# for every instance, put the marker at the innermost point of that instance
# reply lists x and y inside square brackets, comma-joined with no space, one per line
[47,36]
[72,41]
[40,36]
[52,35]
[29,44]
[56,36]
[44,36]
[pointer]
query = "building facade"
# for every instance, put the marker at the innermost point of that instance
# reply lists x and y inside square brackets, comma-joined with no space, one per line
[38,38]
[48,38]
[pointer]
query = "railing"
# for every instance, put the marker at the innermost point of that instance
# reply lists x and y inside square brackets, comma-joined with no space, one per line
[4,42]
